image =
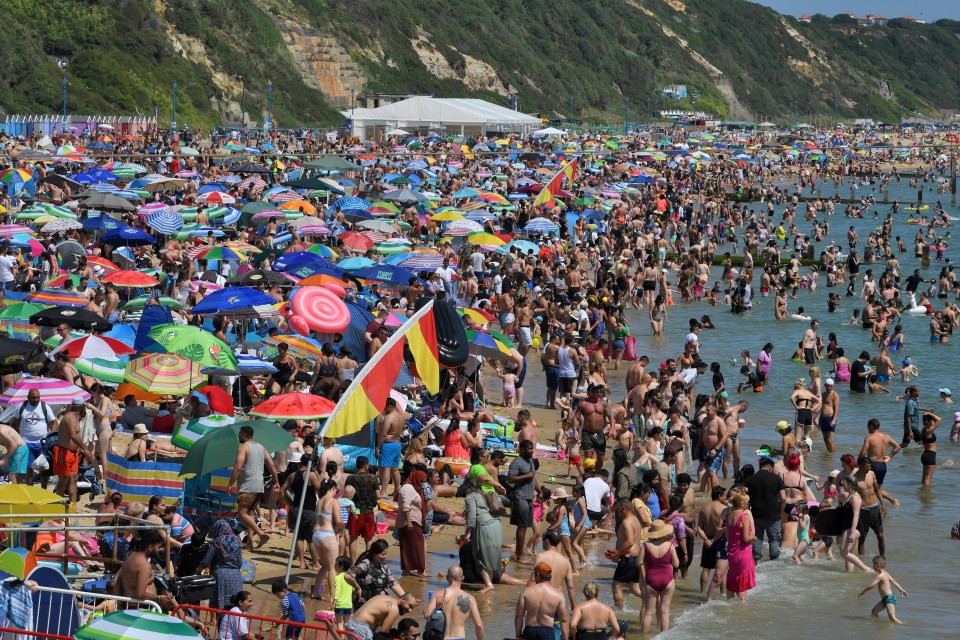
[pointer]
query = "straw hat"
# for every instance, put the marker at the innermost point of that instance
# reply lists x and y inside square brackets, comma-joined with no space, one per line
[559,494]
[659,529]
[782,426]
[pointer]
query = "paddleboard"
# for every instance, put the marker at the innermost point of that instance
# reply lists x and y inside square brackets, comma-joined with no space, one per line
[828,523]
[54,613]
[922,208]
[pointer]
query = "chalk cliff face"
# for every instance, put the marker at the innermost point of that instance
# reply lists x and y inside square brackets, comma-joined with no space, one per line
[734,58]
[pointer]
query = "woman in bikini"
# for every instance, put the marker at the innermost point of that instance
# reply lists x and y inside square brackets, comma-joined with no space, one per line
[325,541]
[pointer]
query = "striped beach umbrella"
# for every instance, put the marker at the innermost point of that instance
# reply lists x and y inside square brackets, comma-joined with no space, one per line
[299,346]
[141,301]
[423,262]
[58,297]
[165,221]
[15,320]
[152,207]
[133,624]
[52,391]
[103,369]
[164,373]
[7,230]
[94,347]
[188,433]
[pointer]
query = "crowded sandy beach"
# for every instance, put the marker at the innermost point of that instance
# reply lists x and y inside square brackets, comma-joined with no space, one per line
[563,384]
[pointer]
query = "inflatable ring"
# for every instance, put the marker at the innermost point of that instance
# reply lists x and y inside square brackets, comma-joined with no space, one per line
[337,290]
[322,310]
[452,346]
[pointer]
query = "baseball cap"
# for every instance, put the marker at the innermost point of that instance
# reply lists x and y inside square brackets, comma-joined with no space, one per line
[835,473]
[78,401]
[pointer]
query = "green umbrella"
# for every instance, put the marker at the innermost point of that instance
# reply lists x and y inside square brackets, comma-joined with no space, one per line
[141,301]
[102,369]
[502,338]
[218,448]
[131,624]
[20,310]
[193,343]
[187,434]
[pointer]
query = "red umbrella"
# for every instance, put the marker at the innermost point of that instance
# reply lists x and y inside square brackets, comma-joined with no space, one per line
[355,241]
[94,347]
[294,406]
[108,267]
[506,237]
[131,279]
[218,399]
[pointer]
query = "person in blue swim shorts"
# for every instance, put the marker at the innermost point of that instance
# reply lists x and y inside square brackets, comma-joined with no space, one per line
[16,456]
[389,426]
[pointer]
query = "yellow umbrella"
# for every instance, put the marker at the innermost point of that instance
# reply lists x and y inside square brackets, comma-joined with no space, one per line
[477,317]
[19,499]
[487,239]
[447,216]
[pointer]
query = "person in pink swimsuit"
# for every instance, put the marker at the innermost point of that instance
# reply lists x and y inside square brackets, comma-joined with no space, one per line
[842,366]
[741,571]
[657,561]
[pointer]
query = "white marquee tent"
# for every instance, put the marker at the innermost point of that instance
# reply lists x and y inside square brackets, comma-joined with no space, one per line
[422,115]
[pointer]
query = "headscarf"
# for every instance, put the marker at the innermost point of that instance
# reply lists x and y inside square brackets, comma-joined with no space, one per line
[416,479]
[225,542]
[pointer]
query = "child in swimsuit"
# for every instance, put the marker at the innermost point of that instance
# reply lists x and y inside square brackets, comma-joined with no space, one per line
[802,519]
[883,582]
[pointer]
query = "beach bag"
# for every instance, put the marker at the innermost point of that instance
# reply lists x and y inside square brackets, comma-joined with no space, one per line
[437,622]
[248,572]
[494,505]
[630,349]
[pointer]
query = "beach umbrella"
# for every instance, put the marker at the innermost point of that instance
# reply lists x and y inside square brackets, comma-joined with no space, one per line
[323,251]
[247,365]
[541,225]
[377,225]
[58,297]
[164,373]
[59,225]
[15,352]
[52,391]
[128,236]
[165,221]
[218,448]
[131,278]
[187,434]
[302,206]
[195,344]
[133,624]
[103,369]
[299,346]
[294,406]
[423,262]
[258,277]
[350,202]
[94,347]
[109,201]
[74,318]
[15,319]
[483,344]
[355,241]
[486,239]
[352,264]
[393,246]
[386,273]
[141,301]
[237,302]
[525,247]
[216,252]
[15,175]
[26,499]
[102,223]
[7,230]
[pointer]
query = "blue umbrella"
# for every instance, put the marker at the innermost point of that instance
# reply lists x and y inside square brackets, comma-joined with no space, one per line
[541,225]
[525,247]
[397,258]
[352,264]
[594,214]
[100,144]
[357,215]
[234,301]
[211,186]
[128,236]
[293,262]
[123,332]
[386,273]
[351,202]
[102,223]
[165,221]
[104,187]
[304,269]
[92,176]
[247,365]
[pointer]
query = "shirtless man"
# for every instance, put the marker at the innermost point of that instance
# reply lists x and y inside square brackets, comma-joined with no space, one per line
[528,428]
[135,577]
[14,461]
[505,307]
[562,578]
[711,530]
[111,302]
[628,547]
[713,443]
[457,605]
[875,445]
[551,369]
[810,343]
[593,415]
[539,606]
[884,367]
[635,372]
[732,419]
[389,427]
[69,448]
[524,315]
[635,399]
[871,508]
[379,613]
[829,411]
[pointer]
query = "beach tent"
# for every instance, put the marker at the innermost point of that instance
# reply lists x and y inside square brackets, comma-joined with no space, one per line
[361,443]
[463,116]
[549,131]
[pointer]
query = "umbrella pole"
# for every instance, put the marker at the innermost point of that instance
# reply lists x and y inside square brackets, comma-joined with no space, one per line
[296,526]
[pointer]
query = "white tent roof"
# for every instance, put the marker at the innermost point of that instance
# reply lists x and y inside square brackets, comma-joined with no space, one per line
[550,131]
[424,111]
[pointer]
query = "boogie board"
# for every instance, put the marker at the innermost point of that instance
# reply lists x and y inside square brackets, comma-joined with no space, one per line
[828,523]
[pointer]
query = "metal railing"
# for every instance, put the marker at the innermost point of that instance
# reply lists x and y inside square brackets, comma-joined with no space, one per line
[85,603]
[261,627]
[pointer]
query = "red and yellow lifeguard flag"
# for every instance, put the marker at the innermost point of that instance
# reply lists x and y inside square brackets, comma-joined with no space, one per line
[568,171]
[367,395]
[422,340]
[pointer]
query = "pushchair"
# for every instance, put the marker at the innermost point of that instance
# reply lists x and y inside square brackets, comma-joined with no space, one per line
[87,481]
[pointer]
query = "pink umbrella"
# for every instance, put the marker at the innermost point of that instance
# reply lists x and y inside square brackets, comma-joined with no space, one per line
[7,230]
[211,287]
[266,214]
[153,207]
[52,391]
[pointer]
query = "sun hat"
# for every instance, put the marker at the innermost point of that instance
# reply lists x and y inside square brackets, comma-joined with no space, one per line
[140,429]
[783,425]
[659,529]
[835,473]
[559,494]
